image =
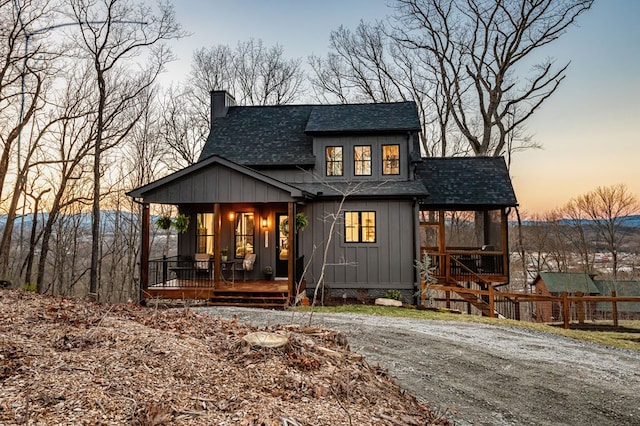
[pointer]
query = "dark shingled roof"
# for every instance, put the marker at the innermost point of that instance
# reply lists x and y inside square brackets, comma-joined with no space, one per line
[280,135]
[466,182]
[262,136]
[393,117]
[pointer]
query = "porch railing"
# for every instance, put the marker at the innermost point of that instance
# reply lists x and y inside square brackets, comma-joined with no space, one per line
[178,271]
[467,265]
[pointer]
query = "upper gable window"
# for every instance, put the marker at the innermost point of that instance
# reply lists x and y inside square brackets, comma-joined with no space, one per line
[362,160]
[335,166]
[390,159]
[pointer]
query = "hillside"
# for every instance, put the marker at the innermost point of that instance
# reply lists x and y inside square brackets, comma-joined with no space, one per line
[65,361]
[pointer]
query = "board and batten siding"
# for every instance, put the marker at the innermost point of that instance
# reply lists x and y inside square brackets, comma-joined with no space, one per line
[216,185]
[386,264]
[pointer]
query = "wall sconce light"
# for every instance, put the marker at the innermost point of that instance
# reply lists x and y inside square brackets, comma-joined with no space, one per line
[265,223]
[232,216]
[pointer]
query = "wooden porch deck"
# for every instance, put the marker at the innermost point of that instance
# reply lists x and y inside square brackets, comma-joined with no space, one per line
[260,293]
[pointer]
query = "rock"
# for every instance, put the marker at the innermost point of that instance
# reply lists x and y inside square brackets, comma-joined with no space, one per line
[388,302]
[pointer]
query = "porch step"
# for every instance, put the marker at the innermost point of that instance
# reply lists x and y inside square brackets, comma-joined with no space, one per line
[257,299]
[474,300]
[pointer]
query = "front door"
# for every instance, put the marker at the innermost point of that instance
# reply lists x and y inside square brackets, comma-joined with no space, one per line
[282,245]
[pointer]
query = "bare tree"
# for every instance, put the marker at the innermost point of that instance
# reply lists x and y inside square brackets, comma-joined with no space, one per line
[477,48]
[112,33]
[608,208]
[254,73]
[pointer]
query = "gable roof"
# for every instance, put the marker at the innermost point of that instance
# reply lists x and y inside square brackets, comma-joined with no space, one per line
[571,282]
[262,135]
[357,118]
[466,182]
[280,135]
[150,191]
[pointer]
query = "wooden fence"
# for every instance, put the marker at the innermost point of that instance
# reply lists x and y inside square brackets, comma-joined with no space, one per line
[565,300]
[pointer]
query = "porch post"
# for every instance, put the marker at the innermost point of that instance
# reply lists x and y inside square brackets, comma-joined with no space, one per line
[217,220]
[504,219]
[442,245]
[144,252]
[290,241]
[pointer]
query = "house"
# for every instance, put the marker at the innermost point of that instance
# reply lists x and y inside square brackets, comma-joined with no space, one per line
[629,310]
[352,172]
[557,283]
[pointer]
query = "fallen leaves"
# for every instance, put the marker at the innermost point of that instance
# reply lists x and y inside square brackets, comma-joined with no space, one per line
[65,361]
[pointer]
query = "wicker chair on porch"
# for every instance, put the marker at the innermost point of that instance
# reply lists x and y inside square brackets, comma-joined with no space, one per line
[247,264]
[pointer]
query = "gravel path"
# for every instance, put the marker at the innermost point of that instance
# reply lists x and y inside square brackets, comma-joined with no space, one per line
[488,375]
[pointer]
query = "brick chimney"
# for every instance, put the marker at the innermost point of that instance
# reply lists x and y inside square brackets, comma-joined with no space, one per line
[221,100]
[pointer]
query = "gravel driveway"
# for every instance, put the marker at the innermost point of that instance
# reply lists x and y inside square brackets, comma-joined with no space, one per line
[487,375]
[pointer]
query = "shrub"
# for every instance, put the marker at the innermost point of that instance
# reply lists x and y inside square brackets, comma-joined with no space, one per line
[393,294]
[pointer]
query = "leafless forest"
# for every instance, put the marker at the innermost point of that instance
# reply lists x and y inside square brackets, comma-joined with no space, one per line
[84,119]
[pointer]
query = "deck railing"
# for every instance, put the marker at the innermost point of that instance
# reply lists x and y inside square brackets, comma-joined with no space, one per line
[177,271]
[467,265]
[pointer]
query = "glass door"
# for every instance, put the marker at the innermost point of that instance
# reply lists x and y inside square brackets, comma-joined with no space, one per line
[282,245]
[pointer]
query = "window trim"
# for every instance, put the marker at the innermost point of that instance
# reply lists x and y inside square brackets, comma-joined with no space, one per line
[330,162]
[363,162]
[361,229]
[384,160]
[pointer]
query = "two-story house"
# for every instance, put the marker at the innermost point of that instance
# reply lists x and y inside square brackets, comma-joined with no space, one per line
[349,170]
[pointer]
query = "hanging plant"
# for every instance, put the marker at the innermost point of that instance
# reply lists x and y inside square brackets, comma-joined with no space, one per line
[301,223]
[163,222]
[181,223]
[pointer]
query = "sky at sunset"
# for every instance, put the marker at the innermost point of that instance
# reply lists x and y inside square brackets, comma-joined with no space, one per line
[588,128]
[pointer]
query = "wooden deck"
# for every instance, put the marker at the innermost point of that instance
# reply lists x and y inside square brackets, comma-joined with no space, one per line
[239,293]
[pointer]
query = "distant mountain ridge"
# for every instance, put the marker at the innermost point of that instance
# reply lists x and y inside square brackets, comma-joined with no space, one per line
[632,221]
[107,217]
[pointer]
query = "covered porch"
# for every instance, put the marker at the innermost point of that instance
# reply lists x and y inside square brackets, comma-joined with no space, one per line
[237,248]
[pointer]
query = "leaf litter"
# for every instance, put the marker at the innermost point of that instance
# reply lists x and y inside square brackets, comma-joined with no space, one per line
[69,361]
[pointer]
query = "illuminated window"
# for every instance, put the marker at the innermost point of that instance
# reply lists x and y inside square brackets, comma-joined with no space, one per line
[362,160]
[334,161]
[390,159]
[360,227]
[205,233]
[244,234]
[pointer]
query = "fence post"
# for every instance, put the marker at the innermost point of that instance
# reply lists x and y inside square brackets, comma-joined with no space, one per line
[448,297]
[491,305]
[614,308]
[565,309]
[580,308]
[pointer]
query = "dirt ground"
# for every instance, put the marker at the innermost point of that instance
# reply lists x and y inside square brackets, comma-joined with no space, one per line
[486,375]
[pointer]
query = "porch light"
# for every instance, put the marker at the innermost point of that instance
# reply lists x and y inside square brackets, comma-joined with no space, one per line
[232,216]
[264,222]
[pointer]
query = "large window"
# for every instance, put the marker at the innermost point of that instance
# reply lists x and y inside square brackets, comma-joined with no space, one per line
[390,159]
[205,233]
[333,157]
[362,160]
[244,234]
[360,227]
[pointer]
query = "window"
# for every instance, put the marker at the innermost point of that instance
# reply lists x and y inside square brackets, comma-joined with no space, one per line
[244,234]
[390,159]
[334,161]
[205,233]
[362,160]
[360,227]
